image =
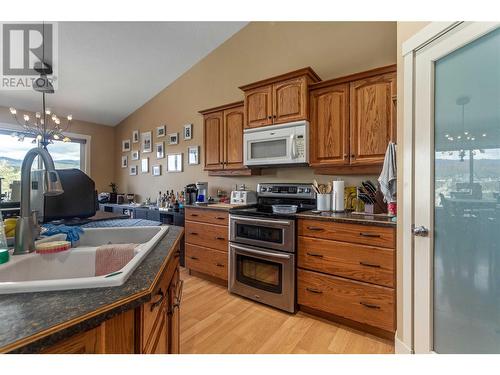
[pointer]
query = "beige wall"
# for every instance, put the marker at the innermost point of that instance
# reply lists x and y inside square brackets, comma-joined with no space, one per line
[405,30]
[260,50]
[102,159]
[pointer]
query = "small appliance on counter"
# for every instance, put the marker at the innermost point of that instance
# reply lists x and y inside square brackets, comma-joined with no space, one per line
[103,197]
[190,194]
[202,192]
[243,196]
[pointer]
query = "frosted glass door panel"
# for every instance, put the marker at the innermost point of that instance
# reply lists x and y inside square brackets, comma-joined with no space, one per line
[466,302]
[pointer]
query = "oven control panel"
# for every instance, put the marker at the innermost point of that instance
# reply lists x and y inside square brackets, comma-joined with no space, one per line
[285,190]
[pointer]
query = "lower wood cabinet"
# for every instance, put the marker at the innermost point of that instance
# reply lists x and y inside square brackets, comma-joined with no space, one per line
[152,328]
[207,241]
[346,272]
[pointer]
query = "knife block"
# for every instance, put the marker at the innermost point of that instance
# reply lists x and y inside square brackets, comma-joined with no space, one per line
[380,207]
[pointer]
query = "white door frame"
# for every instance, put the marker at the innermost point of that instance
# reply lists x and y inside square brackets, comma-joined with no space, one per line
[417,281]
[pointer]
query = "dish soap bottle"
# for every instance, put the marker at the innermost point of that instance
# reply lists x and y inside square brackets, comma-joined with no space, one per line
[4,249]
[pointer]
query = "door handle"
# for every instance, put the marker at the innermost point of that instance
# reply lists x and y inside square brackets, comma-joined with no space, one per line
[319,229]
[159,301]
[420,231]
[220,238]
[315,255]
[313,290]
[370,265]
[369,235]
[370,305]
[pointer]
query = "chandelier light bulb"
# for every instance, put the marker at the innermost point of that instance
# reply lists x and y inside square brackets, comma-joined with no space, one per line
[48,111]
[12,110]
[57,121]
[54,117]
[484,134]
[26,118]
[70,117]
[466,133]
[66,139]
[39,137]
[38,115]
[56,136]
[473,138]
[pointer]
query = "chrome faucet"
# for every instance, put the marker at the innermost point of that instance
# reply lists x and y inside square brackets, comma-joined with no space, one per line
[26,224]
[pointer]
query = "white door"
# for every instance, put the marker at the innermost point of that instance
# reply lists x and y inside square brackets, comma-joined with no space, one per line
[456,189]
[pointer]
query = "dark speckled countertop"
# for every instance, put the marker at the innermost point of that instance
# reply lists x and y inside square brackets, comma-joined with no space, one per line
[217,206]
[345,217]
[27,315]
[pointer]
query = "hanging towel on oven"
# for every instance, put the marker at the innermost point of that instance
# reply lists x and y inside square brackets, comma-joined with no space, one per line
[388,177]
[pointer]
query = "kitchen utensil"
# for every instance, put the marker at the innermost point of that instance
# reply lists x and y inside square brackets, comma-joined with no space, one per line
[323,202]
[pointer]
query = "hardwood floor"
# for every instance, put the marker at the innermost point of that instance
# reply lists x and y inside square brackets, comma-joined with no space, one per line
[214,321]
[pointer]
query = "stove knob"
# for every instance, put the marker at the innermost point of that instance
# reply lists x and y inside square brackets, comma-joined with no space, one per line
[307,190]
[263,189]
[300,190]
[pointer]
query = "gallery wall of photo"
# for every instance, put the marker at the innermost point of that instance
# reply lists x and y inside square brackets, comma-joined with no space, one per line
[145,152]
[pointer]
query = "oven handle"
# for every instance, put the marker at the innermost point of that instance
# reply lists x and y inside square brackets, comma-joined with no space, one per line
[258,252]
[281,222]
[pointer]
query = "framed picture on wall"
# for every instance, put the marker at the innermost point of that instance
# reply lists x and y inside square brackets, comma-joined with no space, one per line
[135,136]
[124,161]
[174,163]
[188,132]
[133,170]
[173,138]
[160,150]
[135,155]
[194,155]
[146,138]
[161,131]
[157,170]
[145,165]
[126,145]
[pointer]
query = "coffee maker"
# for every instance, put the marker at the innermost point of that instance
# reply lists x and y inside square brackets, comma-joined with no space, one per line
[190,194]
[202,192]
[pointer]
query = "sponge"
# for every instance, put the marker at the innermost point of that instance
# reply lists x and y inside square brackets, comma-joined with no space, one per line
[52,247]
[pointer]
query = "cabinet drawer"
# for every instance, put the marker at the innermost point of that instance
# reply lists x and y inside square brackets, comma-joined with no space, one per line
[208,261]
[207,235]
[357,233]
[207,216]
[359,262]
[365,303]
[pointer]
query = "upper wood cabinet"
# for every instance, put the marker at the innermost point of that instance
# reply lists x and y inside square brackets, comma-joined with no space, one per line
[353,119]
[223,140]
[372,118]
[329,132]
[213,127]
[279,99]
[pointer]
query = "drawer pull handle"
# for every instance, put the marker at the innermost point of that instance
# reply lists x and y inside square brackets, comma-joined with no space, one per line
[154,305]
[315,255]
[193,233]
[312,290]
[370,235]
[194,215]
[370,305]
[220,238]
[178,297]
[370,265]
[193,258]
[220,218]
[316,228]
[219,265]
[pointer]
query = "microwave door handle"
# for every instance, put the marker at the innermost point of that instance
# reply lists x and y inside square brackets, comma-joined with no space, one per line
[258,252]
[293,146]
[261,221]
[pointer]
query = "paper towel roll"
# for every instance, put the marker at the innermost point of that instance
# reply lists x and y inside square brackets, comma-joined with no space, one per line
[338,196]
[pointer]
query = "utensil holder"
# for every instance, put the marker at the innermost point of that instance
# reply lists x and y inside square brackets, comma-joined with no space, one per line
[323,202]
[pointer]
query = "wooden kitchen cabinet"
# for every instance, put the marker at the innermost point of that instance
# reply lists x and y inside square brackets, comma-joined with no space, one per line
[353,118]
[347,273]
[373,121]
[279,99]
[223,140]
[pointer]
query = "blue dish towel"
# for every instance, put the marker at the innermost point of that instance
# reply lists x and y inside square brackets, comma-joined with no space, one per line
[72,233]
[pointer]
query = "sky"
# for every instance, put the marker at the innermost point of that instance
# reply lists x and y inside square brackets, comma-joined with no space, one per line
[10,147]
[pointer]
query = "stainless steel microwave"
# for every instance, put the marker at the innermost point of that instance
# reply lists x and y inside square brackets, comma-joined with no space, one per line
[283,144]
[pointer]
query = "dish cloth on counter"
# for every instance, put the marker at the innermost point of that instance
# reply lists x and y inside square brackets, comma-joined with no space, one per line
[113,257]
[72,233]
[388,177]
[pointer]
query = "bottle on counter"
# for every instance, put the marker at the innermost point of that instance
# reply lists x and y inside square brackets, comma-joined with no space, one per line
[4,249]
[158,200]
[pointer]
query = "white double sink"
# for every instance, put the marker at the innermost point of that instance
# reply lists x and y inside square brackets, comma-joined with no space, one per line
[75,268]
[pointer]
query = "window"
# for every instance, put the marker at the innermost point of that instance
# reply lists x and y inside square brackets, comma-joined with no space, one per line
[66,155]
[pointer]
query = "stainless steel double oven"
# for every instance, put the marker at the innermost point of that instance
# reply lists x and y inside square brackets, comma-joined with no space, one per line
[262,254]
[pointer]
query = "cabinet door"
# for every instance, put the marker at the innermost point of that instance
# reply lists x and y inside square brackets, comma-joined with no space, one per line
[214,141]
[258,107]
[372,118]
[89,342]
[233,140]
[329,131]
[290,100]
[175,297]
